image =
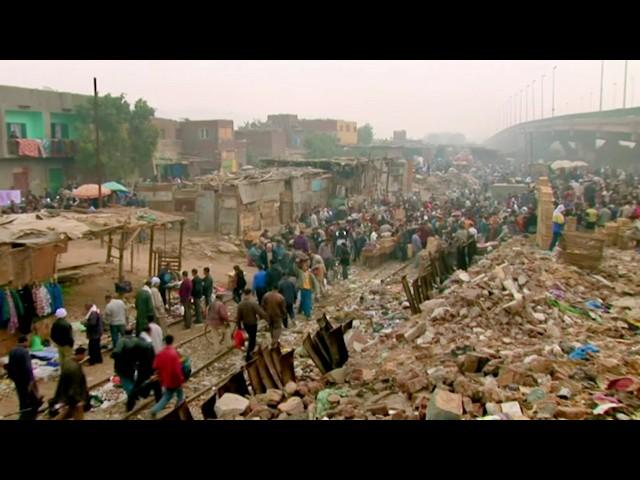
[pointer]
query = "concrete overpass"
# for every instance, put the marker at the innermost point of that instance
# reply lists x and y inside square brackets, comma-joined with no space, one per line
[594,137]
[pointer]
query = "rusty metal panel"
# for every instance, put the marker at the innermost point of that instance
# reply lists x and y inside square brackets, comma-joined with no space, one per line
[208,408]
[236,384]
[254,378]
[265,376]
[276,357]
[308,345]
[337,337]
[273,372]
[287,368]
[179,413]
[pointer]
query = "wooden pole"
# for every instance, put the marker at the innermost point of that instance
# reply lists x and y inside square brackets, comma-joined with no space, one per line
[132,247]
[121,257]
[151,238]
[109,247]
[180,245]
[95,121]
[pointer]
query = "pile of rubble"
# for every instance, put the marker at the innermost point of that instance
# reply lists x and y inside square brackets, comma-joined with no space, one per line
[517,336]
[442,184]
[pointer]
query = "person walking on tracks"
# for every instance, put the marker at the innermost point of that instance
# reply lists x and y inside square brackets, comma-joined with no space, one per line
[93,324]
[72,396]
[159,311]
[239,283]
[207,287]
[197,292]
[247,316]
[20,371]
[260,282]
[287,289]
[218,317]
[185,298]
[144,307]
[124,362]
[168,366]
[115,315]
[274,305]
[62,335]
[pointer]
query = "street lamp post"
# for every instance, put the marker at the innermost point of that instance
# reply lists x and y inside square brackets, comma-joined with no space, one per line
[526,103]
[542,96]
[533,100]
[624,89]
[553,90]
[601,82]
[520,116]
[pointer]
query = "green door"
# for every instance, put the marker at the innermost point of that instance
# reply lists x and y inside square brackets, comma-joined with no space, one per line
[56,180]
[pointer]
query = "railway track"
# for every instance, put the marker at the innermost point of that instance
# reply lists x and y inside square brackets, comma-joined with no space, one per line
[212,367]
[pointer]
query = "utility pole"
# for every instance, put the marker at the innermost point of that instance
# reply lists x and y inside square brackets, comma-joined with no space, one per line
[526,103]
[95,121]
[624,90]
[553,90]
[533,100]
[601,82]
[542,95]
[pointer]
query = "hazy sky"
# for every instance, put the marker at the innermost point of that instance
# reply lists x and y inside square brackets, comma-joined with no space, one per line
[419,96]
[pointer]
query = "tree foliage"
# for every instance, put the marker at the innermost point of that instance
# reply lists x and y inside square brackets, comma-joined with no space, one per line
[127,137]
[365,134]
[321,145]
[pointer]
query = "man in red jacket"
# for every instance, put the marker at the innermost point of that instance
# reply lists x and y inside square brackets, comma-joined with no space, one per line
[169,370]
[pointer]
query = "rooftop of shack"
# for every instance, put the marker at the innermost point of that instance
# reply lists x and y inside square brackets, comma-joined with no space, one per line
[49,226]
[258,175]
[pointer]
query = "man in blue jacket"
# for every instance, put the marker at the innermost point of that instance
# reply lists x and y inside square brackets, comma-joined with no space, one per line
[260,283]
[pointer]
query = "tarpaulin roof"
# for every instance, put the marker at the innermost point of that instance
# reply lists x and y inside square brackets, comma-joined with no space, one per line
[50,226]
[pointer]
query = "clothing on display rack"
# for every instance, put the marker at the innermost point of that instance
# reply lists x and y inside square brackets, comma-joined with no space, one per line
[26,319]
[19,308]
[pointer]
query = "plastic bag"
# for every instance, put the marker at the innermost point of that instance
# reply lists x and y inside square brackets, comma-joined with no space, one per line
[239,338]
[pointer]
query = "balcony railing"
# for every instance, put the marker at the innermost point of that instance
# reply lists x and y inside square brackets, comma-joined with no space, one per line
[57,148]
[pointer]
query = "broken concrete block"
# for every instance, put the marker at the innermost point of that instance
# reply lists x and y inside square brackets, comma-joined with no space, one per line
[333,399]
[292,406]
[513,376]
[262,412]
[572,413]
[444,406]
[472,362]
[290,388]
[440,313]
[415,332]
[337,375]
[231,404]
[378,409]
[512,409]
[492,408]
[273,397]
[430,306]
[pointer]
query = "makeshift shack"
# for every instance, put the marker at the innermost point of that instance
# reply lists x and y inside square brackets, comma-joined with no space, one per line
[255,199]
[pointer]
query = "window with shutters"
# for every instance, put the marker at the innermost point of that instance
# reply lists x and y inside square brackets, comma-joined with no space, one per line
[204,133]
[59,130]
[17,129]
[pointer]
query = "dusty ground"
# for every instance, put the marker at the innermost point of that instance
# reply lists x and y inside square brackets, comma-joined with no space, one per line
[98,278]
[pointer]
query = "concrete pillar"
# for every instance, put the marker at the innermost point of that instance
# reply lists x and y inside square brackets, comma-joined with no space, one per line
[3,135]
[46,118]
